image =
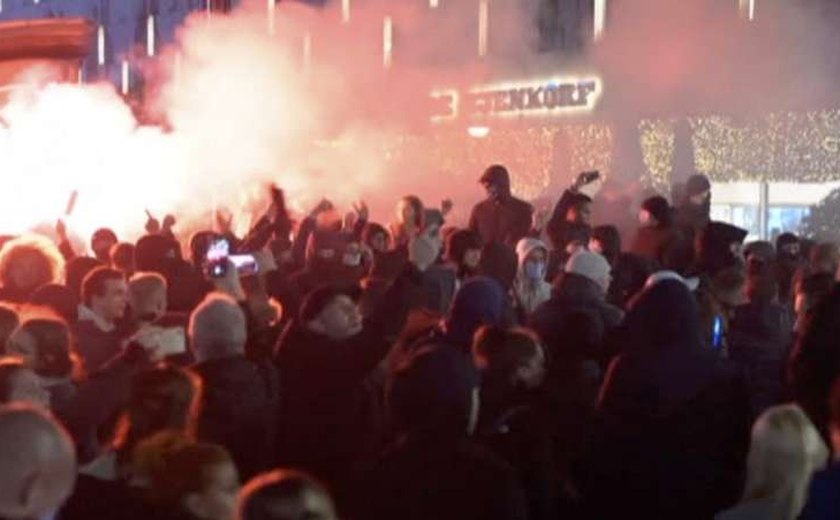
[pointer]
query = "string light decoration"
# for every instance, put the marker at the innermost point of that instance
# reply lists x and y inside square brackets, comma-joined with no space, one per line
[657,139]
[591,146]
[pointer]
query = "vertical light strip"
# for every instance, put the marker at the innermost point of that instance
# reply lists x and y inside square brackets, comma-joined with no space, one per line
[345,11]
[483,20]
[272,6]
[208,7]
[434,4]
[752,10]
[746,8]
[307,51]
[599,13]
[150,35]
[100,45]
[387,42]
[126,78]
[1,6]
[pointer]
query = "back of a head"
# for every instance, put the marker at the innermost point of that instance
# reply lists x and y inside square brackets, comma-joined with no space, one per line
[161,398]
[28,262]
[152,252]
[46,343]
[497,175]
[59,299]
[459,242]
[659,208]
[431,394]
[147,292]
[39,463]
[498,352]
[77,270]
[663,316]
[825,257]
[590,265]
[285,495]
[122,257]
[785,451]
[218,328]
[479,301]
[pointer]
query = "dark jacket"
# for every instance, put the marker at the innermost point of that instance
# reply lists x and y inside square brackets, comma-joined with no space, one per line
[574,322]
[673,419]
[506,220]
[823,496]
[558,229]
[662,244]
[814,363]
[95,346]
[240,406]
[759,339]
[332,410]
[456,480]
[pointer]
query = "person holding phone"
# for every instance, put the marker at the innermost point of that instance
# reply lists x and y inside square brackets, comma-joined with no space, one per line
[501,217]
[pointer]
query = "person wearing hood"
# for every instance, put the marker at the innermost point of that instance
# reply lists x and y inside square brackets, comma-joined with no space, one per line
[682,409]
[502,217]
[327,356]
[530,286]
[433,469]
[657,238]
[693,214]
[240,404]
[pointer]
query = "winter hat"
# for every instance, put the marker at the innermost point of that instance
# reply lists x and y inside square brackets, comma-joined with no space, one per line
[589,265]
[658,208]
[697,184]
[480,301]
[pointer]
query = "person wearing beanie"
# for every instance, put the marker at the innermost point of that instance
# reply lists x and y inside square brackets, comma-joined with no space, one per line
[434,469]
[501,217]
[658,239]
[325,355]
[530,286]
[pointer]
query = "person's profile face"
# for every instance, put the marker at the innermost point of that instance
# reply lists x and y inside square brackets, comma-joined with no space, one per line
[217,500]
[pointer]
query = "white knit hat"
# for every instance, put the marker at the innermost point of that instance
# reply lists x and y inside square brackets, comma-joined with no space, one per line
[590,265]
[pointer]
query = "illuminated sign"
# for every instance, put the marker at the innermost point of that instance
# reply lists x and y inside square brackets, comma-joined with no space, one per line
[538,98]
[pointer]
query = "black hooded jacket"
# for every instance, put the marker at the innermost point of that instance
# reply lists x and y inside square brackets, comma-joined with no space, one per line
[506,220]
[673,419]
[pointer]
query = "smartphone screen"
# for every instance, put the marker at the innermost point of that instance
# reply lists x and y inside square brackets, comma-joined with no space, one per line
[218,249]
[717,338]
[245,264]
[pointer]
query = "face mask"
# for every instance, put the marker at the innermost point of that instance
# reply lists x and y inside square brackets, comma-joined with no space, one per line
[535,271]
[351,259]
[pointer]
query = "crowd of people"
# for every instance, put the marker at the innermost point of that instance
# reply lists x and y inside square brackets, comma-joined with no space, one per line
[333,367]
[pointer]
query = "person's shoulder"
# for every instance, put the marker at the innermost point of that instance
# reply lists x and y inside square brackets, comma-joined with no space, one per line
[521,205]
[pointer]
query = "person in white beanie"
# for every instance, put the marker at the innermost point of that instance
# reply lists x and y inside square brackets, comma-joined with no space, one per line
[530,286]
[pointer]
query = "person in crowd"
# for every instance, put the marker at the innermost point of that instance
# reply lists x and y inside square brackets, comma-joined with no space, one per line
[500,262]
[574,209]
[326,355]
[39,464]
[530,286]
[101,242]
[785,451]
[789,261]
[377,238]
[814,362]
[823,500]
[575,320]
[629,271]
[513,420]
[186,480]
[463,251]
[285,495]
[824,258]
[410,222]
[684,411]
[162,254]
[760,336]
[27,263]
[240,405]
[122,258]
[808,292]
[434,470]
[9,321]
[19,383]
[501,217]
[147,297]
[104,301]
[693,213]
[658,238]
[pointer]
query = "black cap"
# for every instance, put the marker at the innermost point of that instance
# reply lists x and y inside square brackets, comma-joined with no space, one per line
[318,299]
